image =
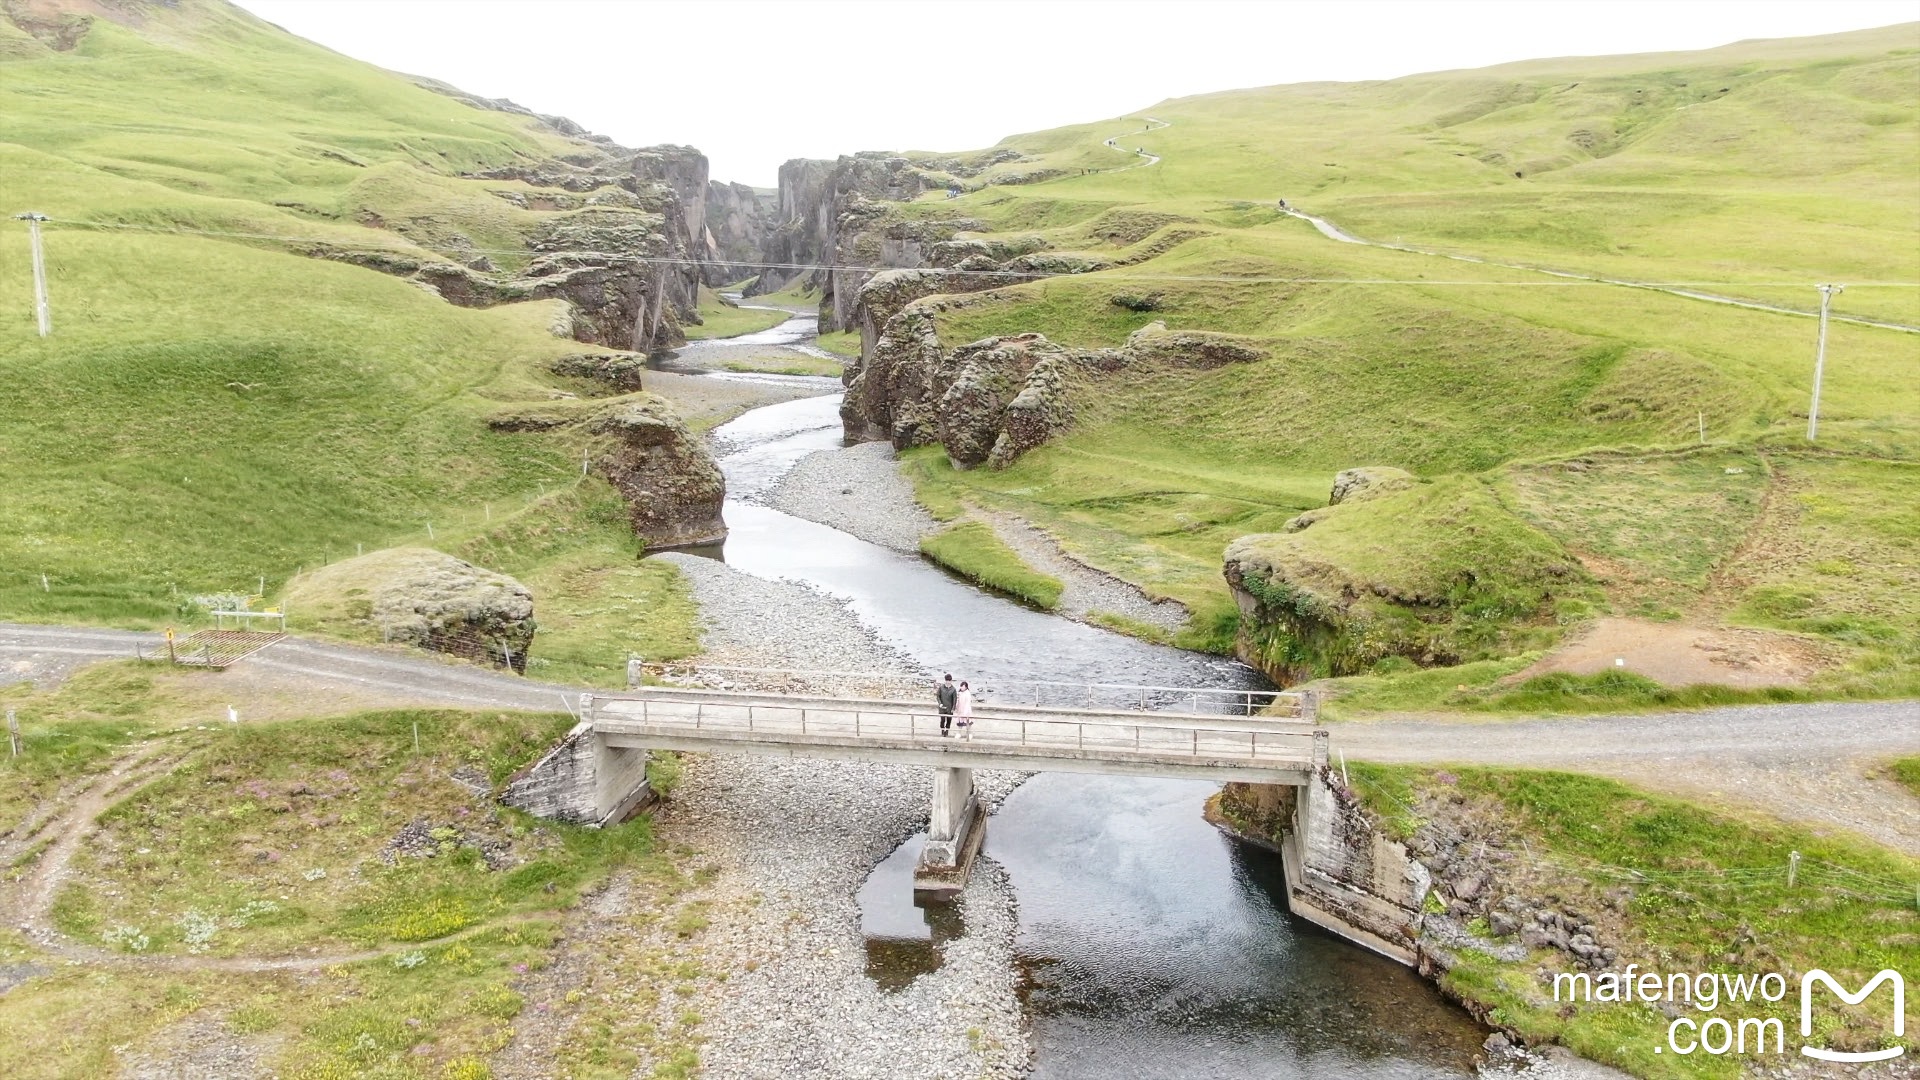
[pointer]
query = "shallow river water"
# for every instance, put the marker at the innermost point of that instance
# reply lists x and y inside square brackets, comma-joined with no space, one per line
[1153,946]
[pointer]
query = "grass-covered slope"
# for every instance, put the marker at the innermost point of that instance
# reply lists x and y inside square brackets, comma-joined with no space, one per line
[1670,886]
[321,896]
[1804,168]
[216,405]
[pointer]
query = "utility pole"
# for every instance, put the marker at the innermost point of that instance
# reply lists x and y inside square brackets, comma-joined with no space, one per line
[40,312]
[1820,359]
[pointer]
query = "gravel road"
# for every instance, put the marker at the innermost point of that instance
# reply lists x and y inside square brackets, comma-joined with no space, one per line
[1809,763]
[1806,763]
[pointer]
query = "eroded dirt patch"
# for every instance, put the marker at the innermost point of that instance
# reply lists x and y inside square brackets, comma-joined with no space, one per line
[1682,654]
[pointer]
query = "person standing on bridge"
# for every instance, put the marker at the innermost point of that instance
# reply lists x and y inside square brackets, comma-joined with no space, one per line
[963,710]
[945,694]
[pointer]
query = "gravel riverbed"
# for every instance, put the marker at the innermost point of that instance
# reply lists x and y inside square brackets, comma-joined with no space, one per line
[858,490]
[794,841]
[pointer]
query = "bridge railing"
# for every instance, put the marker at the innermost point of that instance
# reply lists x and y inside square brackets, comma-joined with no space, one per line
[1038,693]
[770,718]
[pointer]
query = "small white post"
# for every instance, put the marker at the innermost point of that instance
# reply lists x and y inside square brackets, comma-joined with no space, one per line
[583,463]
[233,715]
[429,530]
[488,507]
[44,586]
[360,549]
[13,732]
[263,586]
[1793,867]
[41,313]
[416,736]
[1703,427]
[1820,359]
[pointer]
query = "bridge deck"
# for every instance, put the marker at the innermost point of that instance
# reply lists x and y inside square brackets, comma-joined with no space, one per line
[1256,749]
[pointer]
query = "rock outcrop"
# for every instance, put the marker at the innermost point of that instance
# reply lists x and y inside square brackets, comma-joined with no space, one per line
[1369,482]
[1436,573]
[603,372]
[627,250]
[836,214]
[1354,485]
[426,598]
[740,222]
[990,401]
[672,487]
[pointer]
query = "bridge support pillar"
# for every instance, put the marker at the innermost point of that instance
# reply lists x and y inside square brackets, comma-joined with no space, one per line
[955,830]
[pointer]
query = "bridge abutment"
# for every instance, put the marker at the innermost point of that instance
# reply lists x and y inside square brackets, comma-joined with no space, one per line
[1343,874]
[582,780]
[955,830]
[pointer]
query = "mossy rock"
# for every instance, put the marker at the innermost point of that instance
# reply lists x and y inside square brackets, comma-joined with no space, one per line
[422,597]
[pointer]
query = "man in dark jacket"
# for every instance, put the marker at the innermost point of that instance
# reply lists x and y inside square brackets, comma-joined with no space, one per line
[946,694]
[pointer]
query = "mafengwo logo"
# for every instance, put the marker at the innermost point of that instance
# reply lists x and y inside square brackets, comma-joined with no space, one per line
[1714,1035]
[1816,977]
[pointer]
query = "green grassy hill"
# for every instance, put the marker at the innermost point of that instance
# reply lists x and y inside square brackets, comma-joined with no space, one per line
[1752,171]
[215,405]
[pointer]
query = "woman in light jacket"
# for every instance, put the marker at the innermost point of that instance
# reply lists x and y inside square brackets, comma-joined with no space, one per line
[963,712]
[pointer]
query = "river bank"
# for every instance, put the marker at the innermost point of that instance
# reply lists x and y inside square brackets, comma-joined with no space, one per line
[860,490]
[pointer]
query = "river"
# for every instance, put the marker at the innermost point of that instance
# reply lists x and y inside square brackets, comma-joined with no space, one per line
[1152,945]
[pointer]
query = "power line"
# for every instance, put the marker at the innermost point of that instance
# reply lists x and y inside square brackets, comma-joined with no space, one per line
[1110,273]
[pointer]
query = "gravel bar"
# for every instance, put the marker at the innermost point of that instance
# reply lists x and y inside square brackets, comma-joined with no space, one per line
[858,490]
[795,840]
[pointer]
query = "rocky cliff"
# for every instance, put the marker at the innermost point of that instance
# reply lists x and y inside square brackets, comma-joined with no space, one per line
[990,401]
[740,220]
[836,214]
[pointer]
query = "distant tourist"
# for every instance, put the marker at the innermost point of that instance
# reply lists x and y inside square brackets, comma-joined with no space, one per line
[963,708]
[945,694]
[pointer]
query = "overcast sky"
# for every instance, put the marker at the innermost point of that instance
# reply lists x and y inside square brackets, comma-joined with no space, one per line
[753,83]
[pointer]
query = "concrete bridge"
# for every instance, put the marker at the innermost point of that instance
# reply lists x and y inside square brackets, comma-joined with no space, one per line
[598,773]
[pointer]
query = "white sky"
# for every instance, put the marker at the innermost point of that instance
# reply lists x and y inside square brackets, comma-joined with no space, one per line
[753,83]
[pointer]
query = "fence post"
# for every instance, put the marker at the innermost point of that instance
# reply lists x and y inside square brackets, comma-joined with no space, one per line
[13,732]
[1793,867]
[172,658]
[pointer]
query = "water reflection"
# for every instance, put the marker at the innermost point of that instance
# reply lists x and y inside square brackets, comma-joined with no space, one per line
[905,938]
